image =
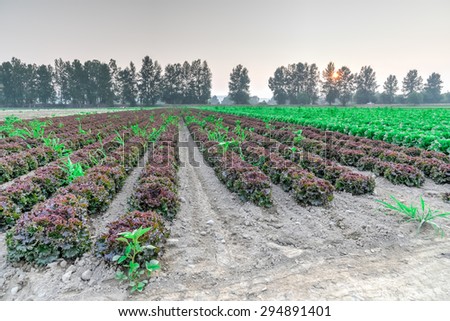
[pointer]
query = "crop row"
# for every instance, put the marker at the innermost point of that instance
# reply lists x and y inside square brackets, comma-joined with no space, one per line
[20,163]
[23,194]
[283,157]
[30,136]
[366,154]
[397,166]
[304,186]
[239,176]
[155,197]
[423,128]
[362,152]
[341,177]
[58,227]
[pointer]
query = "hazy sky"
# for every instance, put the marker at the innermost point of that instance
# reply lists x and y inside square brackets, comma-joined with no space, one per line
[392,36]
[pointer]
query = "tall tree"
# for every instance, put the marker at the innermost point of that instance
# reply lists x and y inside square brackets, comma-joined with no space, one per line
[172,92]
[44,84]
[127,81]
[205,78]
[296,84]
[13,77]
[297,77]
[29,79]
[329,83]
[345,84]
[366,85]
[105,85]
[77,82]
[149,82]
[412,83]
[188,83]
[92,86]
[278,84]
[61,76]
[239,85]
[312,83]
[433,88]
[390,87]
[114,72]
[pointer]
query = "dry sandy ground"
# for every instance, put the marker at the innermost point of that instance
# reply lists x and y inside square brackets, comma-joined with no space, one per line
[37,113]
[224,249]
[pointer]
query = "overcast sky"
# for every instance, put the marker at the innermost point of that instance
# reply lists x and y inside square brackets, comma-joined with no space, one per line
[392,36]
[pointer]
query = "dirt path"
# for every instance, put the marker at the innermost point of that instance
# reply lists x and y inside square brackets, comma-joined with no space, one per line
[224,249]
[348,251]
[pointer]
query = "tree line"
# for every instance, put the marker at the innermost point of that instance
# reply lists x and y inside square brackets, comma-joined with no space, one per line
[299,84]
[95,83]
[302,84]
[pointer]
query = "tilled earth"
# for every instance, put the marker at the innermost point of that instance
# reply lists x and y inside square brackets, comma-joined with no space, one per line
[224,249]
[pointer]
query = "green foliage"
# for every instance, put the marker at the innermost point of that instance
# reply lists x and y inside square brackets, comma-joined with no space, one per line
[8,129]
[426,128]
[81,131]
[37,128]
[119,138]
[422,215]
[137,131]
[216,136]
[240,132]
[55,144]
[72,170]
[295,84]
[239,85]
[298,136]
[136,275]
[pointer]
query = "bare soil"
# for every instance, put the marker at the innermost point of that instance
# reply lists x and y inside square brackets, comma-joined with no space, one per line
[224,249]
[38,113]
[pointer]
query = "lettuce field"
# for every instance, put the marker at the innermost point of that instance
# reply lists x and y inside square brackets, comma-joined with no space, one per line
[223,203]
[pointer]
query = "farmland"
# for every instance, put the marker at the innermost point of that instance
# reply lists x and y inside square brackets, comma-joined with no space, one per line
[427,128]
[241,204]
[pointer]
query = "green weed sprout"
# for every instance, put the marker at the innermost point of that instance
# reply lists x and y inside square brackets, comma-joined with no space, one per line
[135,274]
[72,170]
[422,215]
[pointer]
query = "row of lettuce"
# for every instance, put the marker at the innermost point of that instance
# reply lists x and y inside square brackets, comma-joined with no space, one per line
[20,155]
[400,165]
[23,193]
[239,154]
[425,128]
[59,223]
[18,135]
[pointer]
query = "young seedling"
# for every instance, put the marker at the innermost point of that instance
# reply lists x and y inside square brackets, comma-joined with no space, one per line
[55,144]
[422,215]
[298,136]
[137,131]
[37,129]
[119,139]
[136,275]
[240,132]
[153,136]
[8,128]
[225,146]
[269,126]
[72,170]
